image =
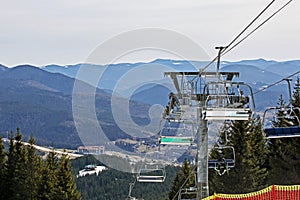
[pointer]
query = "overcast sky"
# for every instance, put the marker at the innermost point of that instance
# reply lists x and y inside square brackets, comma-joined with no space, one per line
[67,31]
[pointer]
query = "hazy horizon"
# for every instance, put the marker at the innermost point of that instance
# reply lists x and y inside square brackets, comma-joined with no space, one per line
[66,32]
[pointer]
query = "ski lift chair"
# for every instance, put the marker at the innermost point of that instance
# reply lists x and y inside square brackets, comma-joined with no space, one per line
[151,174]
[173,111]
[282,132]
[175,140]
[176,135]
[222,165]
[222,105]
[151,171]
[190,191]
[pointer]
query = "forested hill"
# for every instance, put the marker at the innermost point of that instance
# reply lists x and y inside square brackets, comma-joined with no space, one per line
[25,175]
[40,103]
[112,184]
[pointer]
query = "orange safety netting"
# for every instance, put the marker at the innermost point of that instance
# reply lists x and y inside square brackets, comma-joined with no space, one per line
[274,192]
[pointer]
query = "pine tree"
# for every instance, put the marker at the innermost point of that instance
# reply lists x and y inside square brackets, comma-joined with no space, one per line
[257,156]
[10,163]
[2,169]
[16,163]
[250,172]
[66,188]
[33,169]
[184,179]
[280,119]
[23,175]
[296,108]
[296,94]
[48,187]
[284,152]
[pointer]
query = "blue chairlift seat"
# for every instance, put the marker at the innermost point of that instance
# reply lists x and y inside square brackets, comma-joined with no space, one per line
[282,132]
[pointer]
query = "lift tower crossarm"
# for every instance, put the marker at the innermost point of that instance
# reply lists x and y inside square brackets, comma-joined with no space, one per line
[229,75]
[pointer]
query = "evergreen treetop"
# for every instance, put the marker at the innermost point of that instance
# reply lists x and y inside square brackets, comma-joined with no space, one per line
[24,175]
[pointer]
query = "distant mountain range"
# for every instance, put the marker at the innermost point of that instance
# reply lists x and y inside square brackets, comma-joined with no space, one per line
[40,103]
[39,99]
[258,73]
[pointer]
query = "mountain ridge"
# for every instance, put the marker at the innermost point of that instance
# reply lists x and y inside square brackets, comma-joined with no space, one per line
[40,101]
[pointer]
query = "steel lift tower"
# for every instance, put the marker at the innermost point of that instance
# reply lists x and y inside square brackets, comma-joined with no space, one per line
[214,97]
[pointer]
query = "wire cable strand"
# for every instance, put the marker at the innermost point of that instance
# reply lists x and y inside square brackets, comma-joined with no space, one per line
[203,69]
[265,21]
[272,84]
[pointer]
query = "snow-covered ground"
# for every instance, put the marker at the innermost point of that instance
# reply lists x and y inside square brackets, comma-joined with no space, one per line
[91,169]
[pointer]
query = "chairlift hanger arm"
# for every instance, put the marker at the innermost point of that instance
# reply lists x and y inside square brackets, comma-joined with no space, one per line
[289,89]
[265,112]
[176,84]
[252,94]
[278,108]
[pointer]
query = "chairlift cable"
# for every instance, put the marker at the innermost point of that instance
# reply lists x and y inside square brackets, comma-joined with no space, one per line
[225,52]
[260,25]
[272,84]
[240,34]
[249,24]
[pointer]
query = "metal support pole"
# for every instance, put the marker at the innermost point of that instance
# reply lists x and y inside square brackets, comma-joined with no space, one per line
[219,57]
[202,155]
